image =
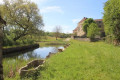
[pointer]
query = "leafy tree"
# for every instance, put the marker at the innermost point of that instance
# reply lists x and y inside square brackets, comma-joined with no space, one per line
[111,20]
[23,16]
[1,43]
[86,24]
[93,30]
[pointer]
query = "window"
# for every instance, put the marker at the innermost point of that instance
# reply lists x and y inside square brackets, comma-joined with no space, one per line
[99,21]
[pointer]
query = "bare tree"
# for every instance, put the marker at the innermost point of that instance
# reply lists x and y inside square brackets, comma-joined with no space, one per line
[57,31]
[1,42]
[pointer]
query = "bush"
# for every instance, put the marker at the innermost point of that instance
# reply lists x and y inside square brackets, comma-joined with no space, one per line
[111,20]
[7,41]
[87,23]
[30,41]
[93,30]
[18,42]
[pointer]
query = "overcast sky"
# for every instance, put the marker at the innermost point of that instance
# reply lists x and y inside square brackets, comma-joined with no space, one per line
[67,13]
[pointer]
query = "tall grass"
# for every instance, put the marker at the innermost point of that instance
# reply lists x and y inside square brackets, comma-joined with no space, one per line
[11,67]
[84,61]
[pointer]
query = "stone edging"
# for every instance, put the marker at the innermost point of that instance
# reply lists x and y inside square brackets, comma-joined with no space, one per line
[17,49]
[59,50]
[35,64]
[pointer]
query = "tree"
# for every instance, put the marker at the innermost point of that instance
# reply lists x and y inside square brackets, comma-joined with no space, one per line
[93,30]
[57,31]
[23,16]
[86,24]
[111,20]
[1,42]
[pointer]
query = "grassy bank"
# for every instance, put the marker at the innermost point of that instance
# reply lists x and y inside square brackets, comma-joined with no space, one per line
[52,41]
[84,61]
[12,65]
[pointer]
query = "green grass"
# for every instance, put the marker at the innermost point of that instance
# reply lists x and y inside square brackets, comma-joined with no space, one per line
[84,61]
[80,61]
[52,41]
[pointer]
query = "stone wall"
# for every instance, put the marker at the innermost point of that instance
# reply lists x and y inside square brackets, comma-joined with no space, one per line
[83,39]
[17,49]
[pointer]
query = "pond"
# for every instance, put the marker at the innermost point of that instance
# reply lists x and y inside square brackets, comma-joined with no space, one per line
[13,62]
[38,53]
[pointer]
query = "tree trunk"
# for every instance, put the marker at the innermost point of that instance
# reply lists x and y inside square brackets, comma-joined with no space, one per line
[56,38]
[18,37]
[1,42]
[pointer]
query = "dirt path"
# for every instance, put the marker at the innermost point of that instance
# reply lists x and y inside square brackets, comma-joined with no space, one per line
[67,39]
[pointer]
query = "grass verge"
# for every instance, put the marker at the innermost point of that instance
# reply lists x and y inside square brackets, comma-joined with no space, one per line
[84,61]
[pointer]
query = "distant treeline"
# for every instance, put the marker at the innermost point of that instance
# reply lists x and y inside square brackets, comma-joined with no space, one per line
[62,35]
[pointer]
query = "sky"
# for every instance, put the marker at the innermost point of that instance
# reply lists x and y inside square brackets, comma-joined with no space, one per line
[67,13]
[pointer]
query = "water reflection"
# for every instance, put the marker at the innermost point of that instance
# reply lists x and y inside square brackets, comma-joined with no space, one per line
[39,53]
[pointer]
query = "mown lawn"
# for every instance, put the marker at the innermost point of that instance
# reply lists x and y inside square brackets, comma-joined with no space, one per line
[84,61]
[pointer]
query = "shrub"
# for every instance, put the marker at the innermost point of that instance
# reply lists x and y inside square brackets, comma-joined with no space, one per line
[111,20]
[93,30]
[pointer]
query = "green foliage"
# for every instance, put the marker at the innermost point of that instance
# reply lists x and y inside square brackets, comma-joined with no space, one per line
[23,20]
[8,41]
[93,30]
[51,34]
[86,24]
[64,35]
[111,19]
[22,16]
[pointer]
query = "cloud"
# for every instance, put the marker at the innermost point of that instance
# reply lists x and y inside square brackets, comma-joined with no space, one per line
[1,1]
[66,29]
[76,20]
[52,9]
[36,1]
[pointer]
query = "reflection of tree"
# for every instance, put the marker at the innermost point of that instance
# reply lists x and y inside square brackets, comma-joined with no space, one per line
[54,50]
[28,55]
[22,55]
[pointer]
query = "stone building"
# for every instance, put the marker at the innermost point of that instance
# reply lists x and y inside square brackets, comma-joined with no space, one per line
[78,31]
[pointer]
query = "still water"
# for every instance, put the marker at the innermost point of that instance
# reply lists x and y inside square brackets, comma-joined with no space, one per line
[38,53]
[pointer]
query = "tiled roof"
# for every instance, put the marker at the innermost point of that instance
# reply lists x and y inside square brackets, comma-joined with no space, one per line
[97,19]
[75,29]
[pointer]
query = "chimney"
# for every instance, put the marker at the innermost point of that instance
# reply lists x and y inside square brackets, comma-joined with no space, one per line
[85,17]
